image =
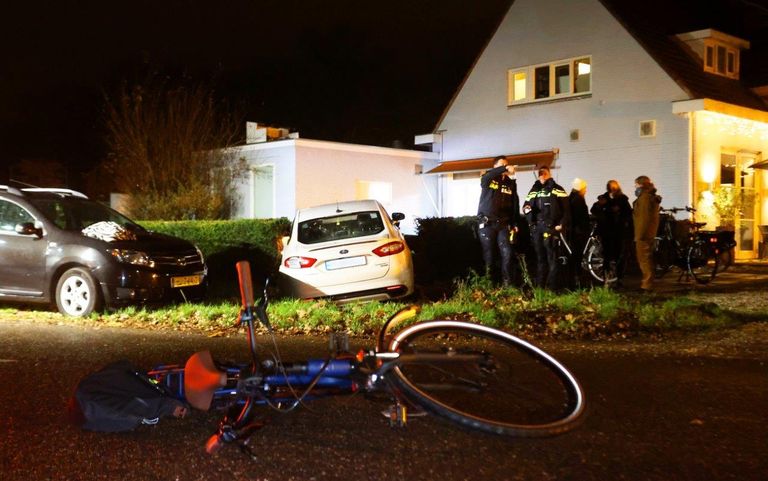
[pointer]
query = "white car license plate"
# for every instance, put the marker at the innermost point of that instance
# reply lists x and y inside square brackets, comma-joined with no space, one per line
[185,281]
[344,263]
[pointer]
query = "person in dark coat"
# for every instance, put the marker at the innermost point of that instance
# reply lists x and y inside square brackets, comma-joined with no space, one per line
[498,213]
[579,231]
[614,226]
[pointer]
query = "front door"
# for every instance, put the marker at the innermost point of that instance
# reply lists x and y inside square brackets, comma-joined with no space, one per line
[736,172]
[22,257]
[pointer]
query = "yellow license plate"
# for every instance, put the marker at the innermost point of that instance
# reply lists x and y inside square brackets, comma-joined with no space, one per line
[185,281]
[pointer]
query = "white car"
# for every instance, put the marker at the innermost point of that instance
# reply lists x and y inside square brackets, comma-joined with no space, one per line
[345,251]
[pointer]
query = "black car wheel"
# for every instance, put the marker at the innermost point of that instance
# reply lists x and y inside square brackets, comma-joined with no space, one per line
[77,293]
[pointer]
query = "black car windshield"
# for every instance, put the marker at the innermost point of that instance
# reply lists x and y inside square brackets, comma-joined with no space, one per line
[77,214]
[343,226]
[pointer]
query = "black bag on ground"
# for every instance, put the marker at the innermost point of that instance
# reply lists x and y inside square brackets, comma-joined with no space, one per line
[119,397]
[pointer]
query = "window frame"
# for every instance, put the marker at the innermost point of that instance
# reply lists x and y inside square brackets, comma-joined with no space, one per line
[715,48]
[530,81]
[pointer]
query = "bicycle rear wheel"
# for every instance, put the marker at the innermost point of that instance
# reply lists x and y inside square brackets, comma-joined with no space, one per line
[485,379]
[702,263]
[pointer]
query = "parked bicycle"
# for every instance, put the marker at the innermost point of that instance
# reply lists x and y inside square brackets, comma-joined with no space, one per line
[593,258]
[475,376]
[681,243]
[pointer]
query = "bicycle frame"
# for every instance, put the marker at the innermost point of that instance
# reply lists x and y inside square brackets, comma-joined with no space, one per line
[238,388]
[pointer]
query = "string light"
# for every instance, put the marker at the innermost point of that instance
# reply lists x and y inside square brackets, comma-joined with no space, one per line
[737,126]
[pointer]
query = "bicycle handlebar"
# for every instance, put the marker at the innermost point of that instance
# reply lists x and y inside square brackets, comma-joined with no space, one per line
[675,210]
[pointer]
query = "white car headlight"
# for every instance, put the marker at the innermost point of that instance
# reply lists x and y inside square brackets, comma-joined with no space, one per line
[128,256]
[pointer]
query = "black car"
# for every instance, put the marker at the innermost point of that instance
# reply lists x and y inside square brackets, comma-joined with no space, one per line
[56,245]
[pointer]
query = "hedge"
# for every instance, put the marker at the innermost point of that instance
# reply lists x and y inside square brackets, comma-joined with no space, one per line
[224,242]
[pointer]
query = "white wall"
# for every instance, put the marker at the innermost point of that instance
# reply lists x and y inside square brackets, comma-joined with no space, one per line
[627,87]
[282,155]
[328,172]
[311,172]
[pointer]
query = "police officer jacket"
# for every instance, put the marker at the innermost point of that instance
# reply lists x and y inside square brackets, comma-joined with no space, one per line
[498,197]
[549,204]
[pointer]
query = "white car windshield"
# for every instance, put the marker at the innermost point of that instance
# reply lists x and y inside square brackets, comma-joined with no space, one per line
[342,226]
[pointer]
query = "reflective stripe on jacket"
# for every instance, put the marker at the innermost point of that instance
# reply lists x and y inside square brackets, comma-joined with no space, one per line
[549,204]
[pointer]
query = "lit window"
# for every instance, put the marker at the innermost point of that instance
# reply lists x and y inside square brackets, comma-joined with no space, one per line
[381,191]
[561,79]
[518,86]
[582,74]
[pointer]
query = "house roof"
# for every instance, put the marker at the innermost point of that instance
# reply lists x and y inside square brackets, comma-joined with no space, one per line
[528,159]
[655,24]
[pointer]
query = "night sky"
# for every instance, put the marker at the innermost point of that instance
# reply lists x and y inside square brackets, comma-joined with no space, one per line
[371,72]
[356,71]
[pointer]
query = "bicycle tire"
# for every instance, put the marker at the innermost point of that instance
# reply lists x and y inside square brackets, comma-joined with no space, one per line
[702,264]
[519,390]
[596,262]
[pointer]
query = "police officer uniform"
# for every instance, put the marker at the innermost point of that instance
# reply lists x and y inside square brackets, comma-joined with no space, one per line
[498,213]
[549,208]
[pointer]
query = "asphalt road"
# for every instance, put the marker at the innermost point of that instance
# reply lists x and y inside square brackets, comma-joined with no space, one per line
[663,411]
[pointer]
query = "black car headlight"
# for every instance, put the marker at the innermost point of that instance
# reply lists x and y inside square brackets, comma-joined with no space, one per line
[128,256]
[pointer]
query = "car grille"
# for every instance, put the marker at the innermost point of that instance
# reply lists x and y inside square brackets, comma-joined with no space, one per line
[177,259]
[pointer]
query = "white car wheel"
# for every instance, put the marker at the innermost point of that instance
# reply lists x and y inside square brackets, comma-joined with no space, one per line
[76,293]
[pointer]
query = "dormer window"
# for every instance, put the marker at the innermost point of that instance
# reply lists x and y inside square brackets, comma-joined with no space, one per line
[718,51]
[721,59]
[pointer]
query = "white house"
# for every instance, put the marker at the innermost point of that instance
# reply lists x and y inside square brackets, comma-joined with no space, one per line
[603,89]
[286,175]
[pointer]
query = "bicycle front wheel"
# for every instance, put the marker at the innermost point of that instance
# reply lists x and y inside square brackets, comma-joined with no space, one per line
[485,379]
[702,264]
[596,263]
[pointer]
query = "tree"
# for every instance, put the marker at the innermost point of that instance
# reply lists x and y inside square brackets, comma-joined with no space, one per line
[171,151]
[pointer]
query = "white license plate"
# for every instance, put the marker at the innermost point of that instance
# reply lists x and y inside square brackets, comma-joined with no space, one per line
[185,281]
[344,263]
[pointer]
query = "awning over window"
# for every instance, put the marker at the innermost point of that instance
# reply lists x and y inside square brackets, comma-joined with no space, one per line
[529,159]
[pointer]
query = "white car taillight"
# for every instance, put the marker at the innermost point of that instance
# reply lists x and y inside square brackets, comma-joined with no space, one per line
[389,249]
[298,262]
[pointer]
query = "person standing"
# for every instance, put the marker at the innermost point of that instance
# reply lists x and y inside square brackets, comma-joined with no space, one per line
[498,213]
[614,225]
[645,215]
[579,231]
[547,211]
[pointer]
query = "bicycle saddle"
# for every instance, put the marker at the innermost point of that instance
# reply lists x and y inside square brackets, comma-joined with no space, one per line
[201,379]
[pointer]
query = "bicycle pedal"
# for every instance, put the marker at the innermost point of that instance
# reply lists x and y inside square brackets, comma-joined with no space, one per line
[398,414]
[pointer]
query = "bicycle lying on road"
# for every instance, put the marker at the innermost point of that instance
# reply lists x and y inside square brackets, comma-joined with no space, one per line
[472,375]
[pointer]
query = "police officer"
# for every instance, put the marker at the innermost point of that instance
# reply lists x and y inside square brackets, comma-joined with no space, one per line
[498,213]
[548,213]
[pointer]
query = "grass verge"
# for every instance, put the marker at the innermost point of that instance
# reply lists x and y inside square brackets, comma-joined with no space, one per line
[586,314]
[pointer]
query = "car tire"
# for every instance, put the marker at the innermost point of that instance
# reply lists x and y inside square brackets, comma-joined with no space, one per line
[77,293]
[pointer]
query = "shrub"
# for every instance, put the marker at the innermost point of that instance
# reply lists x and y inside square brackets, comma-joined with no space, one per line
[224,242]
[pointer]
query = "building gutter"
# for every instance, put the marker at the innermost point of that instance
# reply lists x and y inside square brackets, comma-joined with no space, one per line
[686,106]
